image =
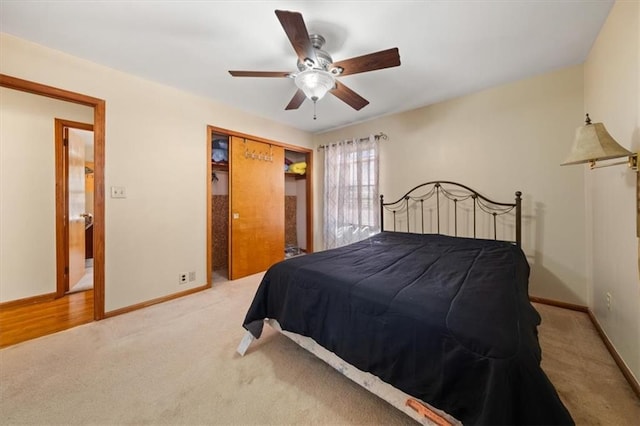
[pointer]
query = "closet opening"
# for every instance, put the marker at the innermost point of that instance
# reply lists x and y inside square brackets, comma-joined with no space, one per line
[220,206]
[261,208]
[295,203]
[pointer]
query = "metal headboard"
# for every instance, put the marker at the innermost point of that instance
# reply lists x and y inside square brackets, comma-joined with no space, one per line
[457,193]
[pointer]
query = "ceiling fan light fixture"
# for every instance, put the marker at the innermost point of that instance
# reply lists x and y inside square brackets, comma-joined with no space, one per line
[315,83]
[317,72]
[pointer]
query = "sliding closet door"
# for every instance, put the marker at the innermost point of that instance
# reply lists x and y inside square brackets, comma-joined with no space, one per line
[257,206]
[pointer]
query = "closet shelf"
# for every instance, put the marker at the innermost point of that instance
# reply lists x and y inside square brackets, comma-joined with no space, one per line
[219,166]
[296,175]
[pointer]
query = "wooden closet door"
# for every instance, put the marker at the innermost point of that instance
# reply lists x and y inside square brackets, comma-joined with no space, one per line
[256,238]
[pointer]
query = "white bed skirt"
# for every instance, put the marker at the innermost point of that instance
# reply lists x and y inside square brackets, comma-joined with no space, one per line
[418,410]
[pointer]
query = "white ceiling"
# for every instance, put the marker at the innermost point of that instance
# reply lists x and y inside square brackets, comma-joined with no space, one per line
[447,48]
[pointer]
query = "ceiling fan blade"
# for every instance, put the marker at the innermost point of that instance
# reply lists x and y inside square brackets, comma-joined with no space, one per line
[296,30]
[260,73]
[349,97]
[373,61]
[297,100]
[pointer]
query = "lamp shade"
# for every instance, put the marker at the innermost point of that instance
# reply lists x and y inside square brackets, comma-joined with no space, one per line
[592,143]
[315,83]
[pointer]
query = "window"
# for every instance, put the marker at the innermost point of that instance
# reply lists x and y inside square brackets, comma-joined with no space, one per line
[351,192]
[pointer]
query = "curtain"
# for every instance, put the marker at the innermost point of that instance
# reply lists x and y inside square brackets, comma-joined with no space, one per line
[351,196]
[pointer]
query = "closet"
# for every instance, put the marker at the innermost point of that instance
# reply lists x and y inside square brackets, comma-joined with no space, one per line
[260,203]
[295,203]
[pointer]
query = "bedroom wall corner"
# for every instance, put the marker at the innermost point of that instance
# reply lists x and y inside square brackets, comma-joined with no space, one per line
[612,94]
[502,139]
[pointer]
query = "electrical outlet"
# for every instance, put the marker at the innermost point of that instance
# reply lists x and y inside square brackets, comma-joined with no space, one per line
[182,278]
[192,276]
[608,301]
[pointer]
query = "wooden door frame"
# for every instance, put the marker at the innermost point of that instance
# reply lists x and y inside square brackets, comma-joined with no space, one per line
[99,112]
[309,186]
[62,201]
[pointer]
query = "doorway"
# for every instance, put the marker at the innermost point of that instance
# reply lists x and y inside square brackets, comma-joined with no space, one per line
[75,167]
[99,109]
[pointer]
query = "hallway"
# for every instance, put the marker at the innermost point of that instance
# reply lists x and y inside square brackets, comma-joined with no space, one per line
[22,323]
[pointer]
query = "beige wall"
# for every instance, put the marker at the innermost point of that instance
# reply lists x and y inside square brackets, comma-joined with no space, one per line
[156,148]
[27,191]
[612,93]
[508,138]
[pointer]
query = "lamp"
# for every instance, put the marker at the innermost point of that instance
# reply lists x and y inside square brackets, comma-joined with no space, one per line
[593,143]
[315,83]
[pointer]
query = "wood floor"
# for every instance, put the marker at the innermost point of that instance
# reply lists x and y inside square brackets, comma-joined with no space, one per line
[28,322]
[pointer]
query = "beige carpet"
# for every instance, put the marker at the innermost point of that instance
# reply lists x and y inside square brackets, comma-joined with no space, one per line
[175,363]
[583,372]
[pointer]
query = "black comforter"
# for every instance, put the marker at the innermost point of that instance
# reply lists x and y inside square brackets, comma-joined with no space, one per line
[444,319]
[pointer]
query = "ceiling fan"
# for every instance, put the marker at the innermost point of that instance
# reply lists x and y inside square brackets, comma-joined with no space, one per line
[317,73]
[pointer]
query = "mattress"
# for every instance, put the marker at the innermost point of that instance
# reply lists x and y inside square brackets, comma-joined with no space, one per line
[444,319]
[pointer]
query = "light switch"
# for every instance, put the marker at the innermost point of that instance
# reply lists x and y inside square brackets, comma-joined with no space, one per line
[118,192]
[236,215]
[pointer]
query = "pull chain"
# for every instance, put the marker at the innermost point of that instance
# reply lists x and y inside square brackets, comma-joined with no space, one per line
[314,110]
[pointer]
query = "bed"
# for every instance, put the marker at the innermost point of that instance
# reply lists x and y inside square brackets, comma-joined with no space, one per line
[438,325]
